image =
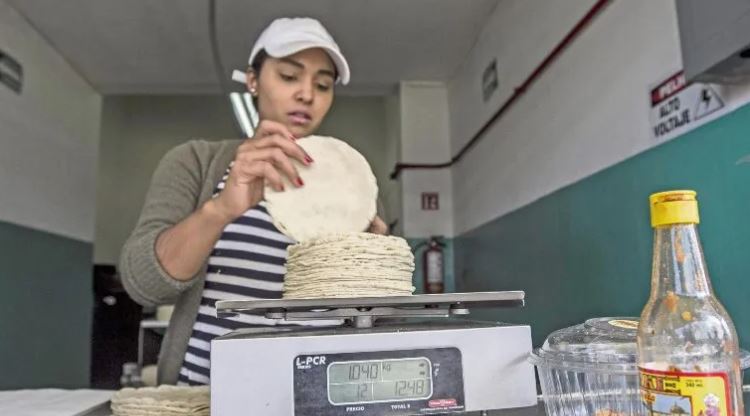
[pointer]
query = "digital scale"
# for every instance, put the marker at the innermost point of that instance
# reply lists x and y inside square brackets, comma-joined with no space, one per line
[380,362]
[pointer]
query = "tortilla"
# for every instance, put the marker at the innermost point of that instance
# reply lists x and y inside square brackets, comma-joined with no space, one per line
[339,193]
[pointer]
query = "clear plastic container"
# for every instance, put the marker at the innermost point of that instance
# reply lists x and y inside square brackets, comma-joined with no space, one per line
[590,369]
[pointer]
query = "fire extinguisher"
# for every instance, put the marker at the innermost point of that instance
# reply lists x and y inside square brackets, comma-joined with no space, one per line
[433,266]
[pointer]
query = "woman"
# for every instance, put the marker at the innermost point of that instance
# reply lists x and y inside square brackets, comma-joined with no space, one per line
[204,234]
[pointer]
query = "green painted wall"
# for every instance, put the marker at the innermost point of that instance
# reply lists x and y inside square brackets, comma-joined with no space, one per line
[45,309]
[585,250]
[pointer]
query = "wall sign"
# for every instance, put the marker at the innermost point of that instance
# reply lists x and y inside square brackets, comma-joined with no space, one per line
[678,106]
[430,201]
[11,72]
[489,80]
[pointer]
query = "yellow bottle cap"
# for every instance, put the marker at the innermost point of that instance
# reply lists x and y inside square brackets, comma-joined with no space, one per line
[674,207]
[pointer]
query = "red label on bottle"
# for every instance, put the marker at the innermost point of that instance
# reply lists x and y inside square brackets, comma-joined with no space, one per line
[685,393]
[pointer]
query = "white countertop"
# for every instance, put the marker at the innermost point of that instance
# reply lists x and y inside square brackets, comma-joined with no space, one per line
[54,402]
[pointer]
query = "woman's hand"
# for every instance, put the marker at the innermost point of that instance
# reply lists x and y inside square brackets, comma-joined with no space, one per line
[183,248]
[378,226]
[266,157]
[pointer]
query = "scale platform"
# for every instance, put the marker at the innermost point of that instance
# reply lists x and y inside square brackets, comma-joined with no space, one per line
[372,364]
[361,312]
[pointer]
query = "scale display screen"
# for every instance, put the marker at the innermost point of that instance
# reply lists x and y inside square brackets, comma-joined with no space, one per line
[354,382]
[421,381]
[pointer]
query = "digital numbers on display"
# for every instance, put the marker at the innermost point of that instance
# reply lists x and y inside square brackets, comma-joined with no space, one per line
[356,382]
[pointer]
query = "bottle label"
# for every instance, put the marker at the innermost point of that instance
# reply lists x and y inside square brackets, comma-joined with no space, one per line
[684,393]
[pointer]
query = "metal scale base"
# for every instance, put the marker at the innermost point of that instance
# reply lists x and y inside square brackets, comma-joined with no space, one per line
[380,361]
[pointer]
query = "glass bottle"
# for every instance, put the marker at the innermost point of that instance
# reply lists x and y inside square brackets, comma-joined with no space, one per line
[688,351]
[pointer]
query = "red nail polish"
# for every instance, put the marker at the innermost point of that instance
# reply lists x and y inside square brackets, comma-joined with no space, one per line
[299,182]
[308,159]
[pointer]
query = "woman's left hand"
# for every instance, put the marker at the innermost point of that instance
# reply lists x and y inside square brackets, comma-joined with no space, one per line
[378,226]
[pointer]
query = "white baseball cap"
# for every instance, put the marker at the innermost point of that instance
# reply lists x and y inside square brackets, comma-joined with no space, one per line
[285,36]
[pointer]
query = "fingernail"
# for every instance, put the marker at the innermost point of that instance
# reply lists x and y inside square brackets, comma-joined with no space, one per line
[300,182]
[282,188]
[308,159]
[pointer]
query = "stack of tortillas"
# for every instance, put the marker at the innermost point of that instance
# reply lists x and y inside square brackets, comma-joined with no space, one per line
[349,265]
[162,401]
[328,217]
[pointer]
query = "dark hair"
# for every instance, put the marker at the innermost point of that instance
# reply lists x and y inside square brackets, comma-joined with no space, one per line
[256,66]
[259,60]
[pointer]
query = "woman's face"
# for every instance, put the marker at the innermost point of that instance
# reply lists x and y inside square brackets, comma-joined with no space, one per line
[296,91]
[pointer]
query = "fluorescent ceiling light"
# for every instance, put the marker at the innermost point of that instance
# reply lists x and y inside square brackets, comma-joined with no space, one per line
[241,114]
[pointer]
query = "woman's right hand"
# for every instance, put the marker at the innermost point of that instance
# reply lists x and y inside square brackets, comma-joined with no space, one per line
[266,157]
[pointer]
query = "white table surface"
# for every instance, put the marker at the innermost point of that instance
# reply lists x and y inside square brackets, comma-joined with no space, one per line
[54,402]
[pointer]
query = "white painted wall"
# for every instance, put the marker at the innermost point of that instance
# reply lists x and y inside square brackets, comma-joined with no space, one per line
[138,130]
[586,113]
[425,138]
[391,190]
[49,140]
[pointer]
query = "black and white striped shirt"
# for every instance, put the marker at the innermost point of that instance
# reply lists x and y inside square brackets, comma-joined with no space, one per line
[247,263]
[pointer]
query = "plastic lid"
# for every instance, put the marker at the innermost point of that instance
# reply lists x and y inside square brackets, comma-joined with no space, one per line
[599,344]
[674,207]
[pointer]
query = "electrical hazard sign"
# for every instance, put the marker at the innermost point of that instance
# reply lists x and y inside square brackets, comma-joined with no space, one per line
[678,106]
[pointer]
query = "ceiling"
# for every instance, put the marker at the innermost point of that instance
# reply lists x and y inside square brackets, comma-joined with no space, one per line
[163,46]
